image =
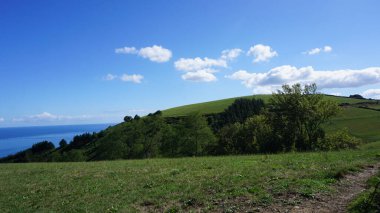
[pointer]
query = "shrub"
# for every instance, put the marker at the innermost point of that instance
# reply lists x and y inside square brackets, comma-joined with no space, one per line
[339,140]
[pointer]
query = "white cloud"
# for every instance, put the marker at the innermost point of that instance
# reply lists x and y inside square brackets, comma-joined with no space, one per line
[205,75]
[154,53]
[2,119]
[231,54]
[110,77]
[194,64]
[203,69]
[44,116]
[318,50]
[261,53]
[372,93]
[314,51]
[132,78]
[126,50]
[327,49]
[274,78]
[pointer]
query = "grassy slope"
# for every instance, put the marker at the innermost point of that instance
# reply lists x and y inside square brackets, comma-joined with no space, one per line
[220,105]
[362,123]
[184,183]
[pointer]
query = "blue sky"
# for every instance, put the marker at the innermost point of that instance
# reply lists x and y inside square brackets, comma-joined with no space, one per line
[69,62]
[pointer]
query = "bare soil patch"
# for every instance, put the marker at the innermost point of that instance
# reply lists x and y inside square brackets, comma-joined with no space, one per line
[345,191]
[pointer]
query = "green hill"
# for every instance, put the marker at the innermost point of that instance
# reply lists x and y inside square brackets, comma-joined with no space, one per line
[219,105]
[361,122]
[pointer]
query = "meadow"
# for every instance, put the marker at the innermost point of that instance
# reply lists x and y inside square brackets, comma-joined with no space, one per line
[229,183]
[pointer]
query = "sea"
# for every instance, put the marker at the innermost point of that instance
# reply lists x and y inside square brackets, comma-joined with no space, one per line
[15,139]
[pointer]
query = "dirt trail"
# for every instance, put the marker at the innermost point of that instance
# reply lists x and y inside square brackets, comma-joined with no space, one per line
[346,189]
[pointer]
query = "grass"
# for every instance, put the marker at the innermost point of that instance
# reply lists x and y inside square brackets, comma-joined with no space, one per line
[362,123]
[207,183]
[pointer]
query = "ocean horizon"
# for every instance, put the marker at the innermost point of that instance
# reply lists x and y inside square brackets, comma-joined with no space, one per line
[15,139]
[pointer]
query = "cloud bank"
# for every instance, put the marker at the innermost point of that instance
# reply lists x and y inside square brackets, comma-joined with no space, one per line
[267,82]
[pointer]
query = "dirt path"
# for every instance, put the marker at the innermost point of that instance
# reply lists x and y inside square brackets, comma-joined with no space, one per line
[346,189]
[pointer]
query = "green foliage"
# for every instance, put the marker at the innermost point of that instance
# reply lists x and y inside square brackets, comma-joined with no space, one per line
[339,140]
[79,141]
[74,155]
[62,144]
[127,118]
[297,114]
[241,109]
[41,147]
[196,135]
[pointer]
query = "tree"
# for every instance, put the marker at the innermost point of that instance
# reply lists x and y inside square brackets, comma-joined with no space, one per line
[196,135]
[297,114]
[137,117]
[43,146]
[81,140]
[229,138]
[62,144]
[357,96]
[127,118]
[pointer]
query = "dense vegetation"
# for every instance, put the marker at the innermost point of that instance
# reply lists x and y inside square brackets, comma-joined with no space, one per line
[292,120]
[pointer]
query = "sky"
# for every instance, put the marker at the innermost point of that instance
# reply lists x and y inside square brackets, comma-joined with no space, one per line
[77,62]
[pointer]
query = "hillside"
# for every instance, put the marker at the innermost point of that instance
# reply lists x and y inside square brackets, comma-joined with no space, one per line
[361,122]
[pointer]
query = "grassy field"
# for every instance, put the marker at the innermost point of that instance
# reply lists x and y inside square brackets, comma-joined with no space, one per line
[207,183]
[362,123]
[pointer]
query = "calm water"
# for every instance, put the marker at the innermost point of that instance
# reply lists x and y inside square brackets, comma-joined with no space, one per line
[14,139]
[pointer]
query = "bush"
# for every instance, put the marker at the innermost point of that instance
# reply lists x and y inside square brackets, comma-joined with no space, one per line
[339,140]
